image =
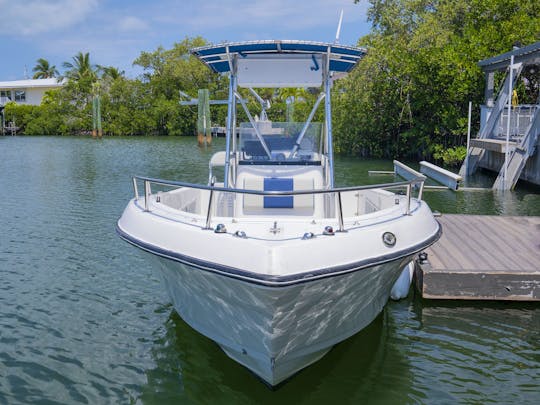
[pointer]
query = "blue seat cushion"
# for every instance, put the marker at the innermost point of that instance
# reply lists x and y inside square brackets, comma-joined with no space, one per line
[276,184]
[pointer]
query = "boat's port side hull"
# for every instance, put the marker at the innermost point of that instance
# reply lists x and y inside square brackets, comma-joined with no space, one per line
[276,332]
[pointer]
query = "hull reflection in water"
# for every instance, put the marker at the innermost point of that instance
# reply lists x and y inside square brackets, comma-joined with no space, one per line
[191,368]
[275,332]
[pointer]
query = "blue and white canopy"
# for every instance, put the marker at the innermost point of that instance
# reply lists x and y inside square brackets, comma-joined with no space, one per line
[274,63]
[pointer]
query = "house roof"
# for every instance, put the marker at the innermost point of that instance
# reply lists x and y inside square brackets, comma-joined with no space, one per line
[529,55]
[31,83]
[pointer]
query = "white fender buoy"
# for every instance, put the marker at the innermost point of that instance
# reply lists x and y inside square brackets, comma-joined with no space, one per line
[403,284]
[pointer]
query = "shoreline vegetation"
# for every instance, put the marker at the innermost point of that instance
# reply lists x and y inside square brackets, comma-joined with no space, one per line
[407,98]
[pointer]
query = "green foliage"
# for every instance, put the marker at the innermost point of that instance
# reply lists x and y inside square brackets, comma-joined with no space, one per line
[43,70]
[412,89]
[19,114]
[407,98]
[166,73]
[449,156]
[80,73]
[145,106]
[125,105]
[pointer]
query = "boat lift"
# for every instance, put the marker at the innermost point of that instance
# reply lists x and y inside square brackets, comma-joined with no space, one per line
[445,177]
[509,133]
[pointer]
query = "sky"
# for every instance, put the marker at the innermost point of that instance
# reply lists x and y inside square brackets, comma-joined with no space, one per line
[115,32]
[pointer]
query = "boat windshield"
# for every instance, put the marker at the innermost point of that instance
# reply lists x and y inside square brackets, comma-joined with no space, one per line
[282,143]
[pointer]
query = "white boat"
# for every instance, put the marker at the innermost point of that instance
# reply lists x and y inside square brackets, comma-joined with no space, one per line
[275,264]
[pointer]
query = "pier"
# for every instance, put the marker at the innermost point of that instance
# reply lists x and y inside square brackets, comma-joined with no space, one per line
[483,257]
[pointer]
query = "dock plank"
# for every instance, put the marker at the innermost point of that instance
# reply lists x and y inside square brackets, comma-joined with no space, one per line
[483,257]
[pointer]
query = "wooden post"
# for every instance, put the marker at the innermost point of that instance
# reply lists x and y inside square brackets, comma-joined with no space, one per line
[204,133]
[94,117]
[96,112]
[98,116]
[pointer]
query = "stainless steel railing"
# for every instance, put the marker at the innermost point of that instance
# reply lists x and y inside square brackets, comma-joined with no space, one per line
[410,185]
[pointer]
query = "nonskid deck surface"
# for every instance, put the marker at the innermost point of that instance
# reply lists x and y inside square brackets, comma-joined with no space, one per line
[275,224]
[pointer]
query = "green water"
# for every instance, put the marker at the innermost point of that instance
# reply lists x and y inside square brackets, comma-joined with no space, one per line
[85,319]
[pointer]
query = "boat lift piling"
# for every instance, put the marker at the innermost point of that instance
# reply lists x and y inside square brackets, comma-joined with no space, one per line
[204,125]
[97,130]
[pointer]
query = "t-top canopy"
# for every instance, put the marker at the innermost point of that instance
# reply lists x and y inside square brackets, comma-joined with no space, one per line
[295,63]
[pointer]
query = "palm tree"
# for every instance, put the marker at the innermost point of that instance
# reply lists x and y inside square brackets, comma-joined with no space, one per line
[112,73]
[43,70]
[292,93]
[81,68]
[81,73]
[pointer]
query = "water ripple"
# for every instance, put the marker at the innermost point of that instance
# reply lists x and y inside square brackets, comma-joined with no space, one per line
[84,318]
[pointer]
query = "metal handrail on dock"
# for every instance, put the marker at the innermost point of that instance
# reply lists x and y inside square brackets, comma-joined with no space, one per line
[409,184]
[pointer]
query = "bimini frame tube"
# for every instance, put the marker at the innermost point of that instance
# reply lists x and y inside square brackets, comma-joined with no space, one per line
[254,125]
[328,113]
[306,125]
[230,119]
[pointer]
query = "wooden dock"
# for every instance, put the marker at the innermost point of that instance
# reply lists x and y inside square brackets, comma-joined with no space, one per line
[483,257]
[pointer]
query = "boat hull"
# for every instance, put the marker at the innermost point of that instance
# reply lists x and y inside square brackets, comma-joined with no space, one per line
[277,331]
[274,300]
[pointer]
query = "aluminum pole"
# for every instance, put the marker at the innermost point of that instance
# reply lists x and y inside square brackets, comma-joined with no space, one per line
[230,115]
[328,113]
[468,139]
[510,88]
[306,125]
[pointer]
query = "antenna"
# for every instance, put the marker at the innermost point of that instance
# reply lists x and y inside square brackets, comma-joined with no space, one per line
[339,26]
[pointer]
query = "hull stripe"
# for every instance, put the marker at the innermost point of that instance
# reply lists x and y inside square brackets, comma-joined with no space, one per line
[272,280]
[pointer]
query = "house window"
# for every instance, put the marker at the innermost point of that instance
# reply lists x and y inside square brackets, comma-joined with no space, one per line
[5,94]
[20,95]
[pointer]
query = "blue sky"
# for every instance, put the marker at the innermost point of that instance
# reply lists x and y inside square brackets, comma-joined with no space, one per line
[115,32]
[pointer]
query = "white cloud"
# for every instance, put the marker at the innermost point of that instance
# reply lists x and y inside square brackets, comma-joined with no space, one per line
[292,15]
[131,23]
[237,20]
[41,16]
[115,32]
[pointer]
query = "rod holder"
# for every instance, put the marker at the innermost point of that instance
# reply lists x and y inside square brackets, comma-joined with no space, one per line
[135,188]
[340,213]
[147,192]
[409,191]
[209,212]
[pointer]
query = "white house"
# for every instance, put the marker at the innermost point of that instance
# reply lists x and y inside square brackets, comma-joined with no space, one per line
[29,91]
